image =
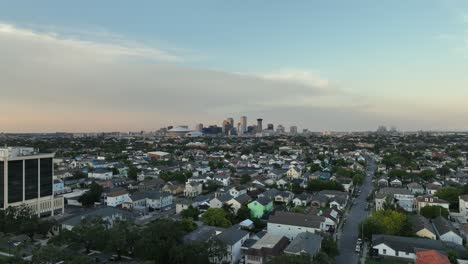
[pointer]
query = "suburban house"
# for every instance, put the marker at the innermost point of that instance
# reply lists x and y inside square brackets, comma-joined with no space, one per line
[403,197]
[431,188]
[100,174]
[382,182]
[338,202]
[463,206]
[174,188]
[302,199]
[305,243]
[293,173]
[237,190]
[405,248]
[290,224]
[446,231]
[238,201]
[332,218]
[233,238]
[225,180]
[415,188]
[193,189]
[319,200]
[431,257]
[284,197]
[158,155]
[429,200]
[260,206]
[220,200]
[116,197]
[150,199]
[422,227]
[265,248]
[396,183]
[282,183]
[346,182]
[108,214]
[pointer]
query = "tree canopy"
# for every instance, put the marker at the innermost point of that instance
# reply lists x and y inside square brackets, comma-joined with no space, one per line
[216,217]
[433,211]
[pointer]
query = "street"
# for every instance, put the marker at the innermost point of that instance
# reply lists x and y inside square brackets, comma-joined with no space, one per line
[349,234]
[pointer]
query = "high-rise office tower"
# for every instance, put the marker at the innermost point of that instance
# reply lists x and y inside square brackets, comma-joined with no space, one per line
[259,125]
[270,127]
[243,121]
[26,178]
[280,129]
[231,121]
[293,130]
[199,127]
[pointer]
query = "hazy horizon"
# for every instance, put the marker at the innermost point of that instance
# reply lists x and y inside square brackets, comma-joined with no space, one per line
[92,66]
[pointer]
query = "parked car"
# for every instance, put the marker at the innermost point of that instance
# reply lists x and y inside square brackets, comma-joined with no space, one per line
[358,248]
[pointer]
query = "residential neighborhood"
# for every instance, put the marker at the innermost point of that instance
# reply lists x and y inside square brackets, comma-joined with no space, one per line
[256,199]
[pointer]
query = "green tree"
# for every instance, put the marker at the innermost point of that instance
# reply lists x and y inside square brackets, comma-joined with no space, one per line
[93,195]
[427,175]
[323,258]
[215,217]
[191,213]
[90,233]
[318,185]
[450,194]
[243,213]
[195,253]
[187,225]
[48,254]
[245,179]
[433,211]
[291,259]
[157,240]
[314,167]
[387,222]
[132,172]
[398,174]
[358,178]
[452,256]
[122,237]
[330,247]
[216,250]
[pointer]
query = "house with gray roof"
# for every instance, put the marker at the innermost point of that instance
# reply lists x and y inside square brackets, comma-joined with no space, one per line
[405,248]
[305,243]
[108,214]
[400,196]
[290,224]
[219,201]
[422,227]
[233,238]
[446,231]
[154,199]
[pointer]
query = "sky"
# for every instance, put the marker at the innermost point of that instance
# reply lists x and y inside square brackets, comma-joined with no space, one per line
[110,65]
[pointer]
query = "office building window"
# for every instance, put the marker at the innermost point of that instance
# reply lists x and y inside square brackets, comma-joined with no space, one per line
[15,181]
[31,168]
[2,187]
[46,180]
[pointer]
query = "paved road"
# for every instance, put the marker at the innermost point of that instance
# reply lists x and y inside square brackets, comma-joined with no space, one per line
[349,235]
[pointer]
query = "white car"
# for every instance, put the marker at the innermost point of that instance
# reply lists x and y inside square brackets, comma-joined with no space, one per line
[358,249]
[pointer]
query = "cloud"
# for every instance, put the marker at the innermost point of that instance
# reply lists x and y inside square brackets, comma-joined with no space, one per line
[102,49]
[54,83]
[308,78]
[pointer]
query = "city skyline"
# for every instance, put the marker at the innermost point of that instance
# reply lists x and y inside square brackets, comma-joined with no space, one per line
[323,68]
